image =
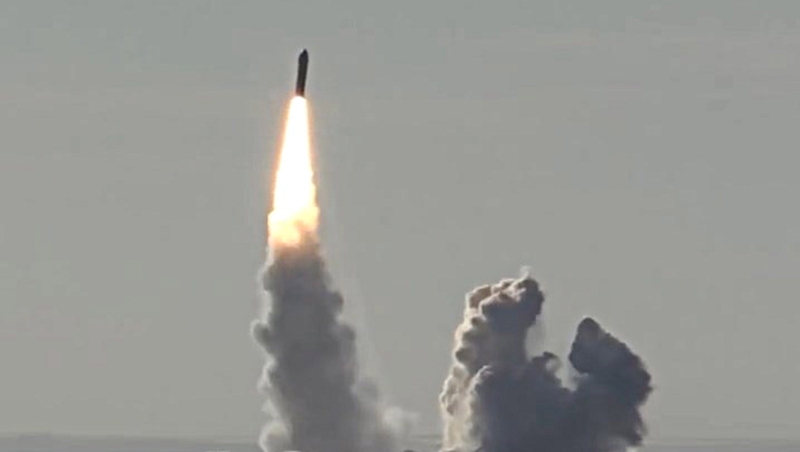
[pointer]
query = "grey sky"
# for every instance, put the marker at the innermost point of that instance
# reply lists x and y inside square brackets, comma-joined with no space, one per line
[640,156]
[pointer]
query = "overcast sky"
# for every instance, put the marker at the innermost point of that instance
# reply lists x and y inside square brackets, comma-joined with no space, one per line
[641,157]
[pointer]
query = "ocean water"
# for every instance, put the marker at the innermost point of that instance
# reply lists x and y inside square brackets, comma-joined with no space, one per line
[59,443]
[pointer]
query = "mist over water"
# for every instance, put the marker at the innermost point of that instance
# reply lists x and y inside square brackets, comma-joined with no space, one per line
[496,398]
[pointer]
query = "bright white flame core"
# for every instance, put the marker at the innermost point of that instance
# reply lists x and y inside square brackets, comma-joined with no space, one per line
[294,203]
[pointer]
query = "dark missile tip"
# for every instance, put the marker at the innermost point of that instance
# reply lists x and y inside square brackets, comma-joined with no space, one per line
[302,70]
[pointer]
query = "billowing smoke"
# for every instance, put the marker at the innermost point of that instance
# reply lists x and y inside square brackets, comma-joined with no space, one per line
[316,399]
[498,399]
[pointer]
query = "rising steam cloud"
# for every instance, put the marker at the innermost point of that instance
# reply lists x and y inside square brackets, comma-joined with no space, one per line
[498,399]
[316,399]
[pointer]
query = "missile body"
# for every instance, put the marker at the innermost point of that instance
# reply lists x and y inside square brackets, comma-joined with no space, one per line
[302,70]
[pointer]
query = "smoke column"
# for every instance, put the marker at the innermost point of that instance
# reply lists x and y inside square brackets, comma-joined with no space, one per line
[316,400]
[498,399]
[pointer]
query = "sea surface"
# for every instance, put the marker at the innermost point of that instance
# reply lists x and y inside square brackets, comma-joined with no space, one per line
[60,443]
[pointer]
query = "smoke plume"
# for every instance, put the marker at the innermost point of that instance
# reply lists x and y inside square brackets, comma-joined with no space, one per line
[316,399]
[498,399]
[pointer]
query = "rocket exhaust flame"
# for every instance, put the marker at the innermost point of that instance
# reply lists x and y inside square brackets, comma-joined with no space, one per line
[294,205]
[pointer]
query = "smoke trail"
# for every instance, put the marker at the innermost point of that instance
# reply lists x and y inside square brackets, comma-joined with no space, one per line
[316,399]
[497,399]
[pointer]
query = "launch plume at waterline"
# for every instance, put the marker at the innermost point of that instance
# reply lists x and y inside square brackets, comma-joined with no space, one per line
[497,398]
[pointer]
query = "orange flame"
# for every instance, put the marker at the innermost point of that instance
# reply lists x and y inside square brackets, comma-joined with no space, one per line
[294,204]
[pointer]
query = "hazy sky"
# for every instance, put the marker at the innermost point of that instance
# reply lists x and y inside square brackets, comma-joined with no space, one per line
[640,156]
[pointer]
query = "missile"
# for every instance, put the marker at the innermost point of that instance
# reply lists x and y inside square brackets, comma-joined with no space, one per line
[302,70]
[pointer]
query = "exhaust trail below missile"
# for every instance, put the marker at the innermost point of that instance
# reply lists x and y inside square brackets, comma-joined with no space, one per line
[295,213]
